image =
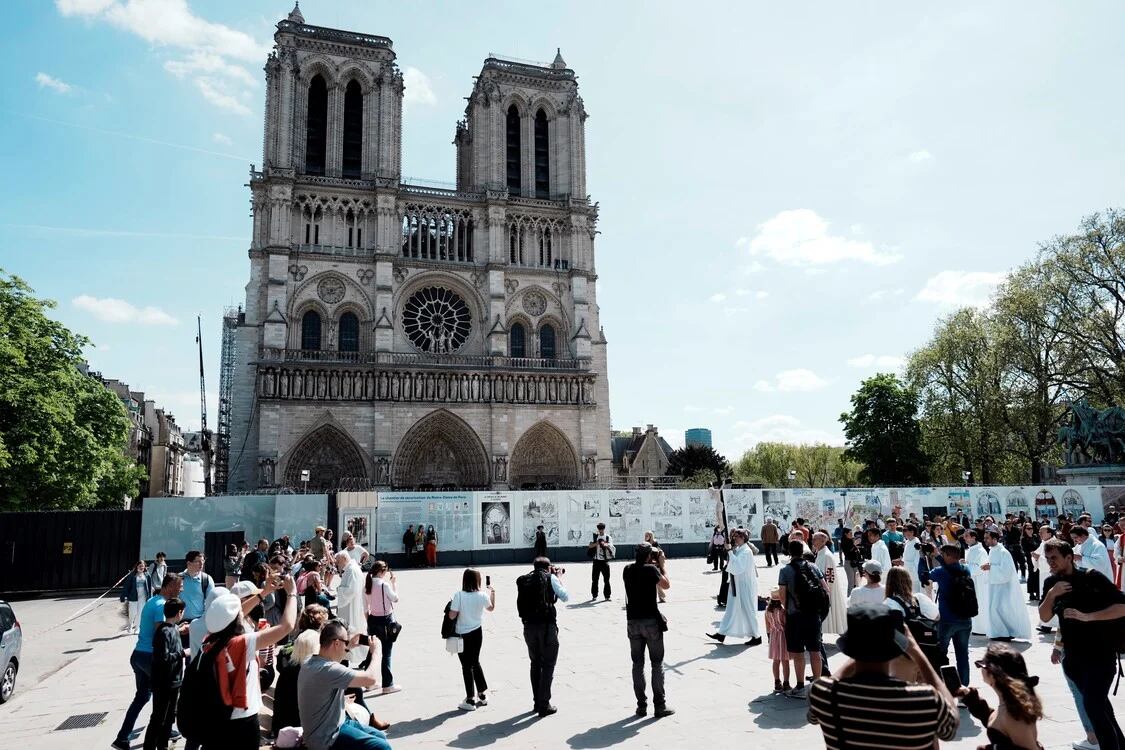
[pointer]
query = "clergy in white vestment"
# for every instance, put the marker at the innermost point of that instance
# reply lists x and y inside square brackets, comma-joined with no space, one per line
[351,606]
[740,620]
[976,556]
[837,619]
[911,553]
[879,551]
[1007,609]
[1089,553]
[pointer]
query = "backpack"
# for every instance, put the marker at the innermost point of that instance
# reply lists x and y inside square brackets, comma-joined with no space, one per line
[448,626]
[812,595]
[925,632]
[201,710]
[962,595]
[535,599]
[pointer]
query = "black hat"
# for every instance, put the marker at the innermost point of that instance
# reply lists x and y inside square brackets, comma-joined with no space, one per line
[873,634]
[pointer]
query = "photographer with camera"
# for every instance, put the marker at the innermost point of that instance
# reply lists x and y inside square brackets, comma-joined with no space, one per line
[536,594]
[600,551]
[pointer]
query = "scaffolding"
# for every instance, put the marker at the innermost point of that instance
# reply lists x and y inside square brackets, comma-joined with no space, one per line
[232,318]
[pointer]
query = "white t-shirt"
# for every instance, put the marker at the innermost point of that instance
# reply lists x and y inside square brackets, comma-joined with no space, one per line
[356,553]
[253,683]
[928,607]
[863,595]
[470,606]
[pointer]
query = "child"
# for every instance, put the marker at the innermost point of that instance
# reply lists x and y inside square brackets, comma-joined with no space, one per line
[775,631]
[167,675]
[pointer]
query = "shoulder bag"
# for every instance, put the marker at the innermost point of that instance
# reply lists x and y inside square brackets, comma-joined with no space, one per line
[393,628]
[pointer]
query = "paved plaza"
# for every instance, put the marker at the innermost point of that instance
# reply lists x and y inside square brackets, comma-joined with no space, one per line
[720,693]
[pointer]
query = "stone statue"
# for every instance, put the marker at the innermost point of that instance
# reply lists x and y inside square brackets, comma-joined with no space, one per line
[1094,436]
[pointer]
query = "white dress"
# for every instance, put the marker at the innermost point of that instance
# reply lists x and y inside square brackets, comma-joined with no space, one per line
[351,606]
[837,620]
[976,556]
[910,557]
[1007,610]
[881,555]
[740,620]
[1094,557]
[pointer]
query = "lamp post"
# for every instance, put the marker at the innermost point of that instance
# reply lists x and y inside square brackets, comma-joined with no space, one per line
[791,476]
[305,480]
[967,476]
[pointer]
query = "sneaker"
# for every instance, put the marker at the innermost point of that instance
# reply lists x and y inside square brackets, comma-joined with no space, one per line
[547,711]
[799,692]
[120,744]
[785,688]
[467,706]
[663,711]
[1083,745]
[390,689]
[482,701]
[642,710]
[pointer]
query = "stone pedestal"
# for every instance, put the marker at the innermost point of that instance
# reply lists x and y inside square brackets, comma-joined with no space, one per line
[1086,475]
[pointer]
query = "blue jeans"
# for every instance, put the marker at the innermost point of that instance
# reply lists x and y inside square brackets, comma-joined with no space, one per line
[1078,705]
[142,672]
[355,736]
[1093,677]
[958,632]
[377,627]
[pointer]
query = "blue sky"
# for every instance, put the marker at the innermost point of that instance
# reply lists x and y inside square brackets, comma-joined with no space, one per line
[791,193]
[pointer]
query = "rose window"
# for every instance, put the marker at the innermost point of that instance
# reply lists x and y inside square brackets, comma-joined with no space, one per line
[436,320]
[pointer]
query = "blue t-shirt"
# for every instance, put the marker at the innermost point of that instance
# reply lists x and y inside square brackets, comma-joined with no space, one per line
[152,613]
[893,536]
[943,576]
[194,595]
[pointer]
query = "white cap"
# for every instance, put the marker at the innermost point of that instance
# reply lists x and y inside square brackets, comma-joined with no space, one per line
[222,612]
[872,566]
[213,593]
[244,589]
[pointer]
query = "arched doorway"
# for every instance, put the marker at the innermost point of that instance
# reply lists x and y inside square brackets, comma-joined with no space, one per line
[543,458]
[440,451]
[329,455]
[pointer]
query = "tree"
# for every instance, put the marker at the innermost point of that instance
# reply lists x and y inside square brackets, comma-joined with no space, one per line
[694,460]
[883,433]
[62,433]
[767,464]
[817,465]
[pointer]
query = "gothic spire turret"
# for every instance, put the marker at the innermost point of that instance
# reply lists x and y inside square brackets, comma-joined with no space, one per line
[559,63]
[295,15]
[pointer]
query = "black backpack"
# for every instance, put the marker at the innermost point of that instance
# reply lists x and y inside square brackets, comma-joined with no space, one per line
[812,596]
[925,632]
[535,598]
[962,595]
[201,711]
[448,626]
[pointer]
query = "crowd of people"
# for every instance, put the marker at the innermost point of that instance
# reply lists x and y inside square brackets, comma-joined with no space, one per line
[897,592]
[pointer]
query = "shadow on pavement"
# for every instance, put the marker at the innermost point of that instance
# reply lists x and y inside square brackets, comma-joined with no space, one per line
[610,734]
[486,734]
[719,651]
[779,712]
[420,726]
[103,639]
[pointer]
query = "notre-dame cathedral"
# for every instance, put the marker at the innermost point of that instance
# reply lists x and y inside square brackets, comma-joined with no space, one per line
[409,337]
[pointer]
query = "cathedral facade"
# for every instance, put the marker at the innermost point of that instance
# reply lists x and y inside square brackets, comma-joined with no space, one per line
[411,337]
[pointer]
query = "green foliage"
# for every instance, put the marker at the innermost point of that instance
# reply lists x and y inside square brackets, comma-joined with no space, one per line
[883,433]
[61,433]
[817,465]
[696,460]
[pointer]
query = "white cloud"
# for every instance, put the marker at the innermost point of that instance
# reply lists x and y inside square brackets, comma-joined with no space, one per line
[418,89]
[960,288]
[46,81]
[172,24]
[112,310]
[882,361]
[881,294]
[800,237]
[920,156]
[222,139]
[719,297]
[760,294]
[777,428]
[792,381]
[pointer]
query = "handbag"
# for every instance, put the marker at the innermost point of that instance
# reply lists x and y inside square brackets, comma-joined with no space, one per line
[393,628]
[448,627]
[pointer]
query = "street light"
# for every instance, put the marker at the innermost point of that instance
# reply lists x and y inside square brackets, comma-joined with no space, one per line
[792,475]
[305,479]
[967,476]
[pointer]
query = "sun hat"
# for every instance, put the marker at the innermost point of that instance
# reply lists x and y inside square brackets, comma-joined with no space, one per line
[1002,658]
[222,612]
[775,593]
[244,589]
[873,634]
[872,566]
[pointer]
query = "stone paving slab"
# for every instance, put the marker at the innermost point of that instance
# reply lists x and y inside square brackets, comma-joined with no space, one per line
[712,687]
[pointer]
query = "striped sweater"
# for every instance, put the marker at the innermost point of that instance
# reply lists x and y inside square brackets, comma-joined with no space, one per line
[882,713]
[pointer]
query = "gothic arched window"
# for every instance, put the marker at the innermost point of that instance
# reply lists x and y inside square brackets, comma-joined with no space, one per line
[353,131]
[513,149]
[348,337]
[547,342]
[310,331]
[517,341]
[316,126]
[542,157]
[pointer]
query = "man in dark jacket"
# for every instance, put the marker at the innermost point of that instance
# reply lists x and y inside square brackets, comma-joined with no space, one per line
[167,675]
[540,542]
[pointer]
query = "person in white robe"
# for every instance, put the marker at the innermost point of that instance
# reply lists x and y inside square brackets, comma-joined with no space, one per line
[837,619]
[1089,553]
[879,551]
[1007,610]
[911,554]
[976,556]
[351,605]
[740,619]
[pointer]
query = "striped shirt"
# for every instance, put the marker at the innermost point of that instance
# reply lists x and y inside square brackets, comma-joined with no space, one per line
[880,712]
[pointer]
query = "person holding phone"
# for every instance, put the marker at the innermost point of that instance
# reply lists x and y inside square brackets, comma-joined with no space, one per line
[601,550]
[467,607]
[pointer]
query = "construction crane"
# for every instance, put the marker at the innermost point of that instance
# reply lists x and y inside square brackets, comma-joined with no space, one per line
[204,433]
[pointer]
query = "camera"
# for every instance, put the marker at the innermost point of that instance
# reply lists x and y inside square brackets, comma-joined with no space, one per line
[917,545]
[556,570]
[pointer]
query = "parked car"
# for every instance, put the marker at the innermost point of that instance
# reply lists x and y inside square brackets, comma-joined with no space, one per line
[11,639]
